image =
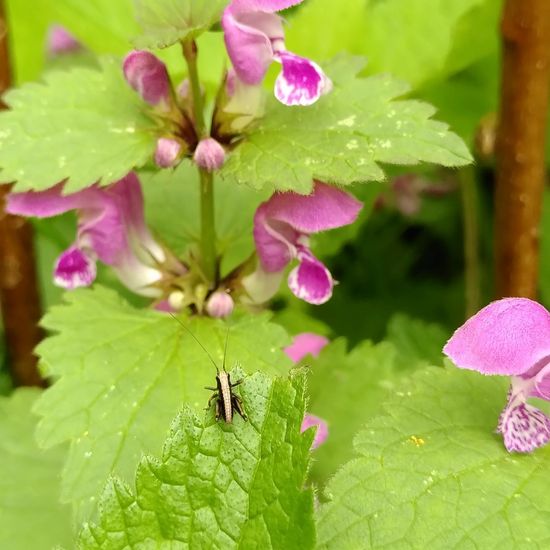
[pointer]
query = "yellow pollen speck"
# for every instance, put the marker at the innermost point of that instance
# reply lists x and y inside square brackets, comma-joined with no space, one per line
[418,441]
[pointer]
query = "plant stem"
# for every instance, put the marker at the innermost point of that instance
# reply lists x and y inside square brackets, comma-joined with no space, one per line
[19,297]
[468,191]
[208,231]
[520,145]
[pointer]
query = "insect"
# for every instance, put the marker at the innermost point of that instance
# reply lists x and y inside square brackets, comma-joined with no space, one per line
[227,402]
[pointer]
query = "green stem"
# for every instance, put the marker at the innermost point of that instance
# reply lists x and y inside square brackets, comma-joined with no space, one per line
[208,231]
[471,240]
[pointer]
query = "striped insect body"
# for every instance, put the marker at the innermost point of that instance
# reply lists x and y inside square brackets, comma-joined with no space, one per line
[227,402]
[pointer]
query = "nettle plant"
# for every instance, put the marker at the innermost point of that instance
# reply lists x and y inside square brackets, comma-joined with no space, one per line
[202,201]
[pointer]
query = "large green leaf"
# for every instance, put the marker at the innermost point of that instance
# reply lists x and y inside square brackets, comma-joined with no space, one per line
[346,390]
[31,516]
[417,342]
[217,485]
[122,374]
[417,40]
[431,473]
[172,207]
[166,22]
[86,125]
[344,137]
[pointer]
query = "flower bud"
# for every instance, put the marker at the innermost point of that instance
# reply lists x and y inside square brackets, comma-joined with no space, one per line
[167,152]
[61,41]
[176,300]
[147,75]
[209,154]
[220,304]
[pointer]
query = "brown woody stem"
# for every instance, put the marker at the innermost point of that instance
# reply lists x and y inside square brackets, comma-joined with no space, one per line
[520,145]
[19,298]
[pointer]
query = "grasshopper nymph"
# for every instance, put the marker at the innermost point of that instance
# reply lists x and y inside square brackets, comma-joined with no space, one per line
[227,402]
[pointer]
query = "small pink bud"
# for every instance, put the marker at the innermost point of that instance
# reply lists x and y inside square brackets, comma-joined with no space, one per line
[220,304]
[322,429]
[60,41]
[148,76]
[167,152]
[209,154]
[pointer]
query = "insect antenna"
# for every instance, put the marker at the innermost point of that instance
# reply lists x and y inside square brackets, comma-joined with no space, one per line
[199,342]
[225,348]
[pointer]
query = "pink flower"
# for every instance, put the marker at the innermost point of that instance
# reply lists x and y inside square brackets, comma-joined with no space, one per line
[60,41]
[148,76]
[254,37]
[511,337]
[308,343]
[282,226]
[111,228]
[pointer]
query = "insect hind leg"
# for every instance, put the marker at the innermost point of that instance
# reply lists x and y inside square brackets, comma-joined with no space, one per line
[237,404]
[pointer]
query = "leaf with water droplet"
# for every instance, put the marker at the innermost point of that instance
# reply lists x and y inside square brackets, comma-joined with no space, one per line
[124,377]
[84,125]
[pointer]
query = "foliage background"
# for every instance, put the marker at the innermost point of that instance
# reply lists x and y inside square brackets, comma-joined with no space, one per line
[401,294]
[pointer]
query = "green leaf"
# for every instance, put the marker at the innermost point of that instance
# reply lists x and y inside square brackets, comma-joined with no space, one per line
[343,138]
[122,374]
[30,513]
[172,209]
[86,125]
[346,390]
[220,486]
[392,34]
[417,342]
[166,22]
[431,473]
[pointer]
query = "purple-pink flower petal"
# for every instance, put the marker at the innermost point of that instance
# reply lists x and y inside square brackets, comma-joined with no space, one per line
[279,222]
[209,154]
[322,429]
[60,41]
[301,81]
[248,45]
[311,281]
[269,6]
[74,268]
[507,337]
[306,343]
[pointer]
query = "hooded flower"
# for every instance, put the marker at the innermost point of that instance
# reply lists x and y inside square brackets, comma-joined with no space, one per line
[111,228]
[282,226]
[254,37]
[60,41]
[148,76]
[308,343]
[511,337]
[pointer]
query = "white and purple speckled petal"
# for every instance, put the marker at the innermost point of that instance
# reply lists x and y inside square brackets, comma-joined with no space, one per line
[311,281]
[301,81]
[523,427]
[321,433]
[74,268]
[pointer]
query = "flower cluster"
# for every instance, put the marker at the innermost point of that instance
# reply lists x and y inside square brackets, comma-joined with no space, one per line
[111,224]
[511,337]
